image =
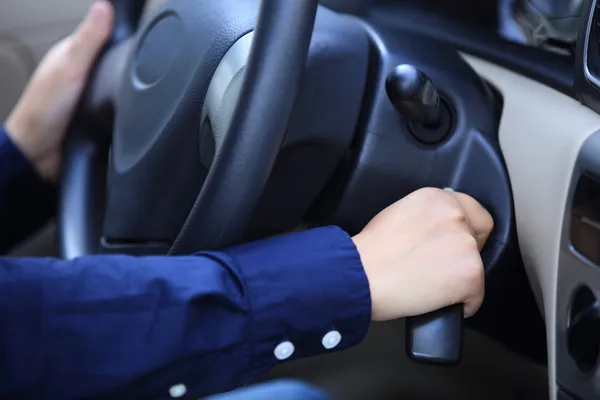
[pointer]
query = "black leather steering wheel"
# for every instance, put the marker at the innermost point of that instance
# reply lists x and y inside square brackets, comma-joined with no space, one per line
[176,182]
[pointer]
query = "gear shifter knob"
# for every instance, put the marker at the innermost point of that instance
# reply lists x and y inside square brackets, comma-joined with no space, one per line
[414,95]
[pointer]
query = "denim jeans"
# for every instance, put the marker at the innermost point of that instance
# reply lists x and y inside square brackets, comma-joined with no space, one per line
[276,390]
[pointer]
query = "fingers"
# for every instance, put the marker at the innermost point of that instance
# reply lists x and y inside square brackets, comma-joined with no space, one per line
[473,304]
[479,218]
[92,33]
[481,224]
[476,283]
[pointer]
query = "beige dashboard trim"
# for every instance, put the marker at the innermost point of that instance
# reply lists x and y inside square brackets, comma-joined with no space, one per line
[541,133]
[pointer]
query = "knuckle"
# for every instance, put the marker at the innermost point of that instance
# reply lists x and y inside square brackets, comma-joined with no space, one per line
[475,274]
[454,213]
[84,39]
[443,202]
[452,209]
[73,45]
[427,195]
[86,32]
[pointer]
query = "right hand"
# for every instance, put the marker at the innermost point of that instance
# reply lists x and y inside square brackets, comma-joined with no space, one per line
[423,253]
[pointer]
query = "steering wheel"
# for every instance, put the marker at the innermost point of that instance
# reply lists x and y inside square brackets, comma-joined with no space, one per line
[141,166]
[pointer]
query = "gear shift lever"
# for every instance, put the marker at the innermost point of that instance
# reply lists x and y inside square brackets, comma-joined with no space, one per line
[436,337]
[413,94]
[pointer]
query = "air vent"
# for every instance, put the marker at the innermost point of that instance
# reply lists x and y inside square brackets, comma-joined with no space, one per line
[582,330]
[585,218]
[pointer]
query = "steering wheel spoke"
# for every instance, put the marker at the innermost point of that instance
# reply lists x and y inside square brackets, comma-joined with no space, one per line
[103,90]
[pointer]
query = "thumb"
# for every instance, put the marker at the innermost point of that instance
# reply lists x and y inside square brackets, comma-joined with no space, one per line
[92,33]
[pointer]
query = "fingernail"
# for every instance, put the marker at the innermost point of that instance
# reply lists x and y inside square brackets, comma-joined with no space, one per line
[449,189]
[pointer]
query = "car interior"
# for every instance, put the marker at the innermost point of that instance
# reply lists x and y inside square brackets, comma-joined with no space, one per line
[215,122]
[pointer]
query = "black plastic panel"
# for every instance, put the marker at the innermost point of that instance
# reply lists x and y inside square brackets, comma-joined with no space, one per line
[564,395]
[357,7]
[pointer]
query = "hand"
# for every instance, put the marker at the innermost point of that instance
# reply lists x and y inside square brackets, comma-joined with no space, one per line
[38,123]
[423,253]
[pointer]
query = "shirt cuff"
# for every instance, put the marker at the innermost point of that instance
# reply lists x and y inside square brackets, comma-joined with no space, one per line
[308,294]
[14,160]
[27,200]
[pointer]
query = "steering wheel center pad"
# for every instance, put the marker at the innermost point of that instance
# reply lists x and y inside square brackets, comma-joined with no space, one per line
[169,71]
[154,57]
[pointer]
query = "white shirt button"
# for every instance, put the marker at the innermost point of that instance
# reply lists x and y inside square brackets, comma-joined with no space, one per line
[178,390]
[284,350]
[331,339]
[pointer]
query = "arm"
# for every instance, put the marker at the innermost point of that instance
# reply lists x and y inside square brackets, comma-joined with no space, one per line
[31,140]
[26,201]
[125,327]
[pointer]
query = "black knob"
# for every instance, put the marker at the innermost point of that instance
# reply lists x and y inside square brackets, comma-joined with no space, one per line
[414,95]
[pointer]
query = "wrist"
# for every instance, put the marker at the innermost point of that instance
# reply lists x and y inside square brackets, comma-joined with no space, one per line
[22,131]
[363,253]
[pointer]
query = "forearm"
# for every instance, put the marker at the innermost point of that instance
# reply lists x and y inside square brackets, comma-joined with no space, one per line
[133,327]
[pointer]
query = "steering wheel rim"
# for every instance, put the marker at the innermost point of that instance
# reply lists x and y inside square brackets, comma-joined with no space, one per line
[238,172]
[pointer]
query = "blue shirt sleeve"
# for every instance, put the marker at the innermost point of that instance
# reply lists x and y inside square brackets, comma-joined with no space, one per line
[120,327]
[26,201]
